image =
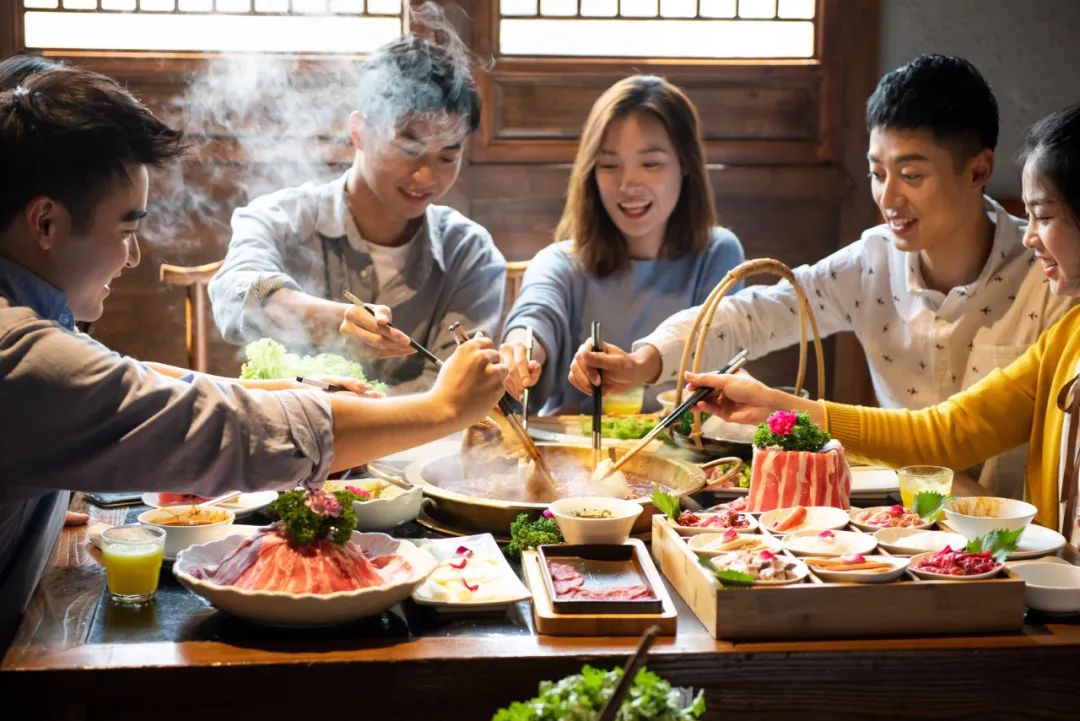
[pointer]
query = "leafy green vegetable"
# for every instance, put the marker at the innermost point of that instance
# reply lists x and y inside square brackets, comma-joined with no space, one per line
[685,424]
[802,434]
[581,697]
[1000,542]
[530,534]
[728,577]
[267,360]
[621,427]
[744,476]
[666,503]
[928,504]
[303,525]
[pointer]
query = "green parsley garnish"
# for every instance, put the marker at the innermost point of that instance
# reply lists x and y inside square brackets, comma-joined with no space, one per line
[804,435]
[304,526]
[525,534]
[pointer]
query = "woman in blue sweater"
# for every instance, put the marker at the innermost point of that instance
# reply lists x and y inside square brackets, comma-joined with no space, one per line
[637,241]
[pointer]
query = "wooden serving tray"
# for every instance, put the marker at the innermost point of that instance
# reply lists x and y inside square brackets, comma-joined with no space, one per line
[814,609]
[552,623]
[606,565]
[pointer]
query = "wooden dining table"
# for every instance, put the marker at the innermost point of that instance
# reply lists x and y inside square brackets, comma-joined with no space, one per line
[76,656]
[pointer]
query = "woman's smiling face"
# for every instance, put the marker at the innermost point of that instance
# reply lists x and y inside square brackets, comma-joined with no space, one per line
[1053,231]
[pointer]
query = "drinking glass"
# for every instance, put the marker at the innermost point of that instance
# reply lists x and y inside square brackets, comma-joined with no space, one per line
[132,555]
[916,479]
[626,403]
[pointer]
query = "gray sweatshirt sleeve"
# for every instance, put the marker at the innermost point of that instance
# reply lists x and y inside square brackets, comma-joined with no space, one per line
[104,422]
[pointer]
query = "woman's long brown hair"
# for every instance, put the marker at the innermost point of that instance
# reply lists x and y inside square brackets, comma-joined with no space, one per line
[598,244]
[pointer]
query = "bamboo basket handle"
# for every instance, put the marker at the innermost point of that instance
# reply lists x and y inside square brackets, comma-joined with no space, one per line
[695,341]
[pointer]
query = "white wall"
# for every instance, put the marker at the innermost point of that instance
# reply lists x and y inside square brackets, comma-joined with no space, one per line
[1028,50]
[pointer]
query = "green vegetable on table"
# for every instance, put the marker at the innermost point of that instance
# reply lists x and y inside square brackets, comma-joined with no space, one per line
[311,517]
[525,534]
[666,503]
[928,504]
[581,697]
[269,360]
[1000,543]
[621,427]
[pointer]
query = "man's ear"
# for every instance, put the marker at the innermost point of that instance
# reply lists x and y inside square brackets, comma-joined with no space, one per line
[980,167]
[45,221]
[356,129]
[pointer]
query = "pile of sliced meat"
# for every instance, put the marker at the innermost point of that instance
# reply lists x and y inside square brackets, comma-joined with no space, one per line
[570,586]
[269,562]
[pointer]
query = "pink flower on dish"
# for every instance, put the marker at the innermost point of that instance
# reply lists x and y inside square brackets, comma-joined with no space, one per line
[547,513]
[782,422]
[323,504]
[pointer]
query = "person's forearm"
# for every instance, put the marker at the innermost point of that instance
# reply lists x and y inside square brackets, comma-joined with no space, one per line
[520,335]
[177,372]
[292,311]
[647,365]
[368,429]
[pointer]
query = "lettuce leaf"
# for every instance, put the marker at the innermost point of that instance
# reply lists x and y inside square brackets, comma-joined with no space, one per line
[666,503]
[267,360]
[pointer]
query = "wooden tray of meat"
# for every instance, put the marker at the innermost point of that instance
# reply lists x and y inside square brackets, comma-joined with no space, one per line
[812,608]
[605,591]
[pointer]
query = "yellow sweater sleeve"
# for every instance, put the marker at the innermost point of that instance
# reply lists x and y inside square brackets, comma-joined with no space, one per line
[992,416]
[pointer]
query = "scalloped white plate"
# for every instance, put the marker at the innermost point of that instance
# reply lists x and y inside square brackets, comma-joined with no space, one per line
[899,566]
[500,590]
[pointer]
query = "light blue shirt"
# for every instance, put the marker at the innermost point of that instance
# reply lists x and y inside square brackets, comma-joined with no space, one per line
[559,301]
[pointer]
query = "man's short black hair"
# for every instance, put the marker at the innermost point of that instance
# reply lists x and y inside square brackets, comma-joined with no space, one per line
[67,134]
[940,93]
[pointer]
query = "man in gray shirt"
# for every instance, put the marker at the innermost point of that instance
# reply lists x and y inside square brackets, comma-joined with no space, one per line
[374,231]
[76,415]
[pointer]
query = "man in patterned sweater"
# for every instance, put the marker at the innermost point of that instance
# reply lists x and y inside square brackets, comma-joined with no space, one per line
[939,295]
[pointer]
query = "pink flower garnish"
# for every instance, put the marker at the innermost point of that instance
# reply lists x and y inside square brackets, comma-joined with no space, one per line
[356,490]
[471,588]
[323,503]
[826,535]
[897,510]
[459,566]
[547,513]
[853,558]
[782,422]
[767,556]
[463,551]
[730,535]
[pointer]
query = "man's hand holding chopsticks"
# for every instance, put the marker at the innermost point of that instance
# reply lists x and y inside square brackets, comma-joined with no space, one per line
[470,383]
[367,332]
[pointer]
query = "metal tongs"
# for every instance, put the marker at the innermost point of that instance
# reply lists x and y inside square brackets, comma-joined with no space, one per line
[506,408]
[699,395]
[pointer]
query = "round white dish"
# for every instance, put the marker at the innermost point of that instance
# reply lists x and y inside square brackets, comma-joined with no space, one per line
[841,543]
[390,509]
[706,544]
[243,505]
[974,516]
[1037,541]
[698,530]
[799,569]
[910,541]
[931,576]
[305,609]
[899,564]
[614,529]
[1050,586]
[177,538]
[856,513]
[500,586]
[818,518]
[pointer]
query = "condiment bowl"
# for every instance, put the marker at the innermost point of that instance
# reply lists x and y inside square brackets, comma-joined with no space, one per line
[389,506]
[188,525]
[1053,587]
[974,516]
[589,519]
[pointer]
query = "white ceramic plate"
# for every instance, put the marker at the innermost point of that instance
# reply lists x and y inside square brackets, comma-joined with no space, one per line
[243,505]
[1037,541]
[842,543]
[818,518]
[499,586]
[873,481]
[800,570]
[857,513]
[899,566]
[393,507]
[930,576]
[705,544]
[697,530]
[899,541]
[303,609]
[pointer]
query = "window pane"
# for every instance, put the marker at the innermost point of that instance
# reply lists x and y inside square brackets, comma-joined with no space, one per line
[233,33]
[41,3]
[639,8]
[558,7]
[196,6]
[717,8]
[272,6]
[384,7]
[757,8]
[658,38]
[117,4]
[518,7]
[678,8]
[80,4]
[308,6]
[157,5]
[599,8]
[354,7]
[801,9]
[234,6]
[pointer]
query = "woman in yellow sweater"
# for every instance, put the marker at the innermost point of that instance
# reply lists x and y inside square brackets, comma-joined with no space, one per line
[1025,401]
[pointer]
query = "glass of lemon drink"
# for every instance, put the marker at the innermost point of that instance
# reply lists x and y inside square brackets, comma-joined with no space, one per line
[626,403]
[132,556]
[917,479]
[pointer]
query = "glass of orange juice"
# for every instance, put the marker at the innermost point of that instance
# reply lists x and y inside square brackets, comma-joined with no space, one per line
[626,403]
[917,479]
[132,556]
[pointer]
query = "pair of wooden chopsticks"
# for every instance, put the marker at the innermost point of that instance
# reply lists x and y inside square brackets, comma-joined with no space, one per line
[699,395]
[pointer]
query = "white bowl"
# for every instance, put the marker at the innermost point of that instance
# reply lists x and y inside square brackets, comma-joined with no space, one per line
[751,527]
[974,516]
[613,529]
[393,507]
[818,518]
[177,538]
[841,543]
[899,565]
[1053,587]
[304,609]
[707,544]
[910,541]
